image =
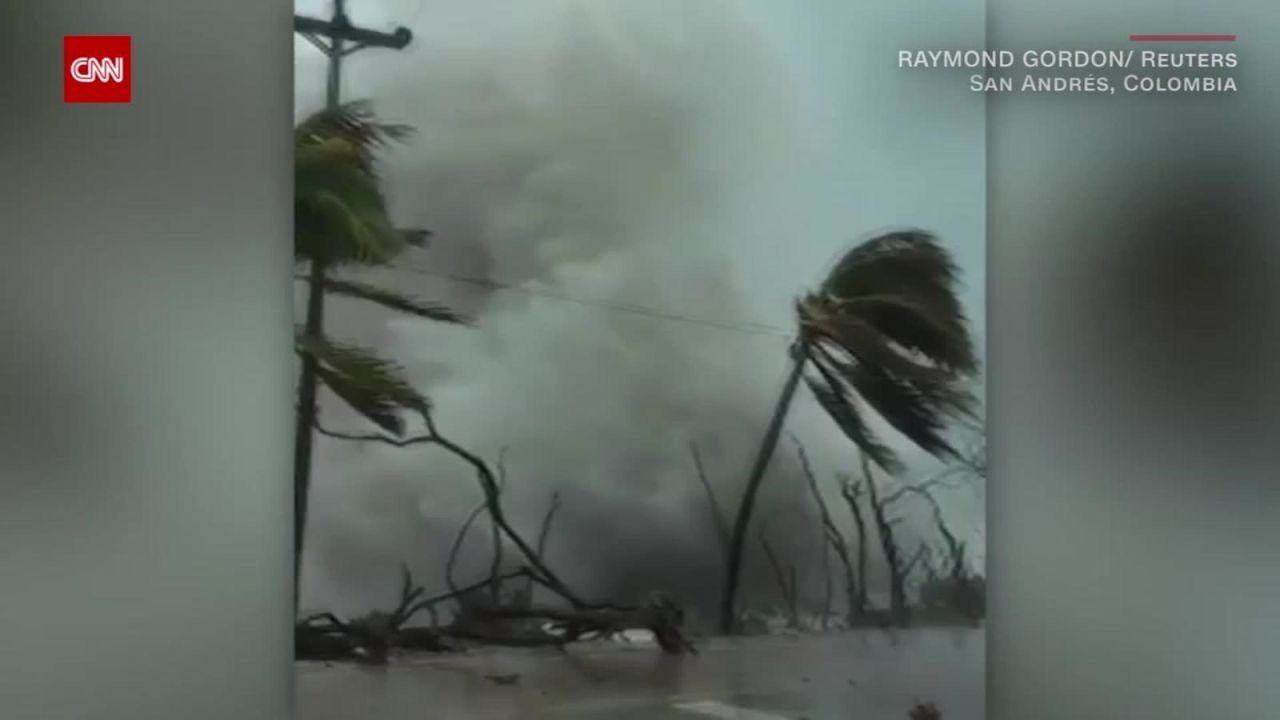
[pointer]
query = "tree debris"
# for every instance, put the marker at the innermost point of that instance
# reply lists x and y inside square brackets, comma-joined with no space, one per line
[490,619]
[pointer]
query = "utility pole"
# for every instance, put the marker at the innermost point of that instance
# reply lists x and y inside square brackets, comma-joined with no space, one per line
[339,31]
[336,38]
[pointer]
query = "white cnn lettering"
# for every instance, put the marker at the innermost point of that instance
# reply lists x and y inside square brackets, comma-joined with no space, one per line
[87,69]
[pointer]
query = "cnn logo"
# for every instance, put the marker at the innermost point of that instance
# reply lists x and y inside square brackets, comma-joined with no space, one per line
[87,69]
[96,68]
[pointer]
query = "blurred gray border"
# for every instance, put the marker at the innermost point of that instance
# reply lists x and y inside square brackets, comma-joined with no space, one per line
[147,370]
[1133,405]
[1132,391]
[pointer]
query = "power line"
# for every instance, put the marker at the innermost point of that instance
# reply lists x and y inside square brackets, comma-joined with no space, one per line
[748,328]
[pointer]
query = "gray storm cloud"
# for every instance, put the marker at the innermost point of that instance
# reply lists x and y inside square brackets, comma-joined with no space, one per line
[592,172]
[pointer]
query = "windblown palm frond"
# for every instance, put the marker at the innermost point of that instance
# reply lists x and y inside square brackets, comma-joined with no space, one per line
[372,386]
[886,329]
[340,213]
[393,300]
[355,124]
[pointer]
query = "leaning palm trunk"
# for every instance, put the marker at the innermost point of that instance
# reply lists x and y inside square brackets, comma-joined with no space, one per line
[885,331]
[737,542]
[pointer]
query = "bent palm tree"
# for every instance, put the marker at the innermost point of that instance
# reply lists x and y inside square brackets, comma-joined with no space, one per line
[887,330]
[340,221]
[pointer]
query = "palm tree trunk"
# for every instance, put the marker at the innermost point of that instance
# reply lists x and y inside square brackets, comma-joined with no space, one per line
[306,417]
[737,542]
[308,381]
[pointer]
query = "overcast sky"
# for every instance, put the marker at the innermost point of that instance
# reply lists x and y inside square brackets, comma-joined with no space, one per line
[656,182]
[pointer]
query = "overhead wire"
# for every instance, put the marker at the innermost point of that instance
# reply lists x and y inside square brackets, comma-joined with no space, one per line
[750,328]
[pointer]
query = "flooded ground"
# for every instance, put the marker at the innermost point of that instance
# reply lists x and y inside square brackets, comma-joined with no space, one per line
[862,675]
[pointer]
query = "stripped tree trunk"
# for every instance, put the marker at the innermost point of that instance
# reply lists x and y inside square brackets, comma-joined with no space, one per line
[738,541]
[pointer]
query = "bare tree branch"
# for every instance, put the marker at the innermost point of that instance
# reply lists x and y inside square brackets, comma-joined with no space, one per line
[833,538]
[955,547]
[921,552]
[408,594]
[717,515]
[495,535]
[457,546]
[786,587]
[662,617]
[921,488]
[328,617]
[428,603]
[489,487]
[544,533]
[851,491]
[496,540]
[888,545]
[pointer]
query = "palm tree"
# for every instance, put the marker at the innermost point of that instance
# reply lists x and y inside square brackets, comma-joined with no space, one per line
[341,222]
[885,330]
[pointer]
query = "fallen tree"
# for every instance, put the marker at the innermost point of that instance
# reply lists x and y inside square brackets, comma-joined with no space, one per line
[479,616]
[372,638]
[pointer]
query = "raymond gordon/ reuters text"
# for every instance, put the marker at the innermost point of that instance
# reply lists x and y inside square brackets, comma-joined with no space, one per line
[1065,59]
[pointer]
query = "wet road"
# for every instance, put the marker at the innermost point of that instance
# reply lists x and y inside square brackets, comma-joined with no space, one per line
[864,675]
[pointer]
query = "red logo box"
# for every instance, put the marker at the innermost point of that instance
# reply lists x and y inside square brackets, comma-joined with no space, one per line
[97,68]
